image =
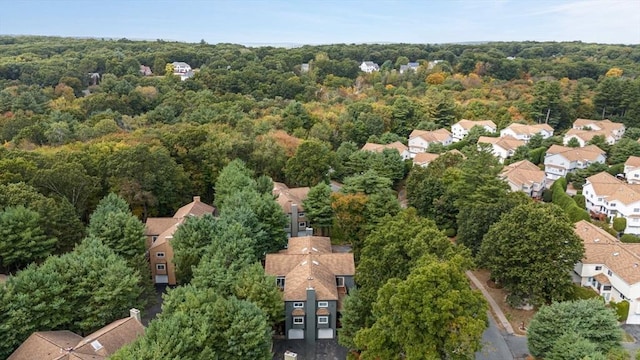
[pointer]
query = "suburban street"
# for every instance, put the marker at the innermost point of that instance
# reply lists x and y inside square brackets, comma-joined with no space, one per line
[497,346]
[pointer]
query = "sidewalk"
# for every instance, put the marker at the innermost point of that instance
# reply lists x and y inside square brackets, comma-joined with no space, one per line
[495,309]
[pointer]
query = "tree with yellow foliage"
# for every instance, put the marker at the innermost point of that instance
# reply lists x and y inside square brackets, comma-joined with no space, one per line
[435,78]
[614,72]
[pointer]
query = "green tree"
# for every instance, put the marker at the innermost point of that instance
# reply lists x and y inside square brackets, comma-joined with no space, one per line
[588,321]
[431,314]
[189,241]
[199,324]
[534,263]
[233,178]
[574,143]
[619,224]
[310,164]
[22,240]
[317,207]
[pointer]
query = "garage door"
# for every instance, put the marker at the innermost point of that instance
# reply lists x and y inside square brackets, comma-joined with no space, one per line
[162,279]
[296,334]
[325,333]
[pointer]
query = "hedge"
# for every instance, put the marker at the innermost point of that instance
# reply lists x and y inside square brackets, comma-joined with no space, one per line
[569,205]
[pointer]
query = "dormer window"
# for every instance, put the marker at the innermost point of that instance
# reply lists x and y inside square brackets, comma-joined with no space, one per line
[280,282]
[154,238]
[339,281]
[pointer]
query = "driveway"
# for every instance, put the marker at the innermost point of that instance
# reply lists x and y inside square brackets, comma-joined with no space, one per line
[323,350]
[155,307]
[499,346]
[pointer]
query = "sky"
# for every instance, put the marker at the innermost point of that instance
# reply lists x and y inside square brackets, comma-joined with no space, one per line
[297,22]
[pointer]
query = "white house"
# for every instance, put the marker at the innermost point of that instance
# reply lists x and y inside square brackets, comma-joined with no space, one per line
[461,129]
[561,160]
[632,170]
[526,177]
[605,194]
[525,132]
[419,140]
[400,147]
[609,267]
[369,66]
[584,130]
[502,147]
[412,66]
[180,67]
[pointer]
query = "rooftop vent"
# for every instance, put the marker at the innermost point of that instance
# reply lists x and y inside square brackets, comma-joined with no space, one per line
[315,262]
[304,263]
[616,253]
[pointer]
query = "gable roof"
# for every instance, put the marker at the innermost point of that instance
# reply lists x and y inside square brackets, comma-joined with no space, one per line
[156,226]
[194,208]
[602,248]
[309,262]
[65,345]
[523,173]
[468,124]
[606,124]
[439,135]
[424,158]
[166,235]
[633,161]
[589,152]
[587,135]
[505,142]
[289,196]
[396,145]
[607,186]
[525,129]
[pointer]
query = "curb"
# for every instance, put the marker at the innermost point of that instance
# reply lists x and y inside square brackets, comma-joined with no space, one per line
[494,306]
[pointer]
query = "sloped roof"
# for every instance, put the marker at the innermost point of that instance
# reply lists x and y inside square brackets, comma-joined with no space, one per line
[65,345]
[439,135]
[468,124]
[587,135]
[397,145]
[424,158]
[587,153]
[288,196]
[309,262]
[602,248]
[194,208]
[505,142]
[156,226]
[607,186]
[605,124]
[529,129]
[523,172]
[633,161]
[167,235]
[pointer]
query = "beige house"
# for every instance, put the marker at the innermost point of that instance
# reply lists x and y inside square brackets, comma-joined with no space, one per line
[461,129]
[502,147]
[524,132]
[419,140]
[584,130]
[608,195]
[561,160]
[65,345]
[402,149]
[526,177]
[159,232]
[314,280]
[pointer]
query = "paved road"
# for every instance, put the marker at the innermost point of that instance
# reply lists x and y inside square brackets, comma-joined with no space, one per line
[499,346]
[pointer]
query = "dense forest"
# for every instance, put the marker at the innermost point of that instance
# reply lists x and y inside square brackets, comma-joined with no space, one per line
[80,121]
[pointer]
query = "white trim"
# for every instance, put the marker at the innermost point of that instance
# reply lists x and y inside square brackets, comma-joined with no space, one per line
[161,267]
[298,320]
[160,254]
[323,304]
[298,305]
[323,319]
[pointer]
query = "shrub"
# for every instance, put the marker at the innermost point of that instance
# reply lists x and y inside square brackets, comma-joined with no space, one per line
[580,201]
[629,238]
[546,195]
[619,224]
[621,308]
[581,292]
[450,232]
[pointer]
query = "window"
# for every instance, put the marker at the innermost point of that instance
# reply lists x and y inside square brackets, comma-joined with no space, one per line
[613,204]
[280,282]
[301,214]
[323,304]
[636,210]
[339,281]
[160,254]
[154,238]
[302,224]
[610,273]
[323,319]
[598,268]
[161,267]
[298,320]
[606,288]
[298,305]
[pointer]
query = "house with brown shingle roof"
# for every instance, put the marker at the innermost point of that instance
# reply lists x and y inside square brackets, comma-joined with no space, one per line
[461,129]
[526,177]
[159,232]
[561,160]
[502,147]
[402,149]
[608,195]
[524,132]
[65,345]
[419,140]
[585,129]
[290,200]
[632,170]
[314,280]
[610,267]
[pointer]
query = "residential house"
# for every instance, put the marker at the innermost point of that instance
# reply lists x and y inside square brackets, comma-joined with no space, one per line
[182,69]
[419,140]
[145,71]
[159,232]
[290,200]
[424,159]
[304,68]
[632,170]
[433,63]
[412,66]
[502,147]
[461,129]
[400,147]
[609,267]
[526,177]
[561,160]
[525,132]
[605,194]
[369,66]
[314,280]
[584,130]
[65,345]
